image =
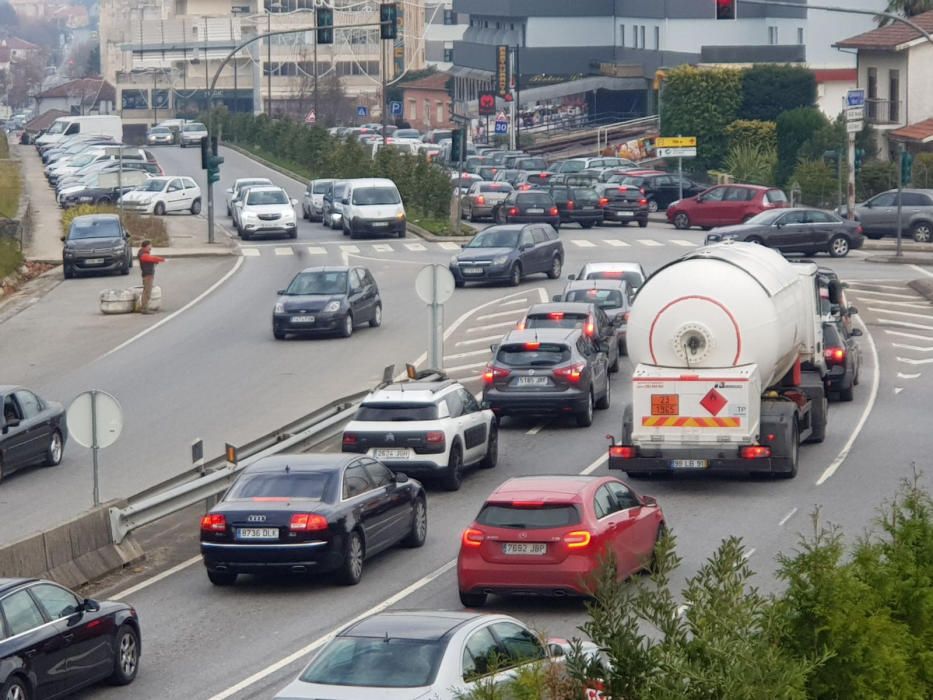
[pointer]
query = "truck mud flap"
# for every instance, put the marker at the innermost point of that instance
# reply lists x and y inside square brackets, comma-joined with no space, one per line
[782,419]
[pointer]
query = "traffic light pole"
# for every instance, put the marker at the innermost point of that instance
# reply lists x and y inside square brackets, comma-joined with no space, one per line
[850,189]
[900,186]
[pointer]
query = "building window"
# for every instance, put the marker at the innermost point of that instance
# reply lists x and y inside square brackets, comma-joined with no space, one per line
[657,38]
[800,35]
[498,25]
[622,35]
[485,24]
[773,36]
[512,26]
[448,55]
[635,35]
[426,111]
[450,17]
[439,111]
[412,110]
[894,95]
[642,36]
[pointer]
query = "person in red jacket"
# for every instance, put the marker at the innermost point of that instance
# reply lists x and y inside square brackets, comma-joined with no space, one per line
[147,265]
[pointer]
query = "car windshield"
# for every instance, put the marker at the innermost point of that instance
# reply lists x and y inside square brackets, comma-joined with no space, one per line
[532,354]
[243,184]
[603,298]
[83,160]
[94,228]
[530,199]
[532,163]
[194,127]
[318,282]
[766,217]
[527,517]
[321,187]
[57,128]
[634,279]
[831,336]
[375,195]
[310,485]
[267,197]
[556,319]
[376,662]
[503,187]
[159,130]
[152,186]
[396,412]
[495,239]
[573,166]
[340,190]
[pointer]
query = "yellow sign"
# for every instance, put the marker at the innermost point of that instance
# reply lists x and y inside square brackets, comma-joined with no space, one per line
[675,142]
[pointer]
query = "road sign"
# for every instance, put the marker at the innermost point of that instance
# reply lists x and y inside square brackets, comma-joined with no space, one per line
[502,127]
[434,285]
[854,127]
[675,142]
[855,98]
[311,118]
[95,420]
[396,108]
[855,114]
[362,111]
[677,152]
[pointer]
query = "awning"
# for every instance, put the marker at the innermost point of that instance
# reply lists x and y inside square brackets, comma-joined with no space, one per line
[471,73]
[577,87]
[921,132]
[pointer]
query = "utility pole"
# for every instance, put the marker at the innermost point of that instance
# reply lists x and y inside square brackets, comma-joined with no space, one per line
[316,112]
[385,78]
[155,104]
[850,192]
[269,65]
[900,186]
[516,76]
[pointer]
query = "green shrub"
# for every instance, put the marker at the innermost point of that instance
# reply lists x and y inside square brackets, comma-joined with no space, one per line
[819,186]
[762,133]
[922,172]
[4,147]
[794,129]
[10,257]
[769,90]
[876,176]
[10,187]
[751,162]
[140,227]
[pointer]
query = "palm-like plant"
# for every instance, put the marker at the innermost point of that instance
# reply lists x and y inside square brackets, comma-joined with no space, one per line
[905,8]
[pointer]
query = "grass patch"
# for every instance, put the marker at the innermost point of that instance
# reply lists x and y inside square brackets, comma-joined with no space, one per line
[10,257]
[140,227]
[441,227]
[4,147]
[11,186]
[296,168]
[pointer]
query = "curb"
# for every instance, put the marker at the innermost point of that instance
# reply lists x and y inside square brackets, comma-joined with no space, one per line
[262,161]
[903,260]
[923,287]
[428,236]
[908,246]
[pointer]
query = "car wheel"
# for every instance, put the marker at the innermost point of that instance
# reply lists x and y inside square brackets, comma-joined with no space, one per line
[754,239]
[652,206]
[376,320]
[922,232]
[293,235]
[351,568]
[126,656]
[794,453]
[403,233]
[196,207]
[585,419]
[643,224]
[847,394]
[55,450]
[347,329]
[419,525]
[305,215]
[839,246]
[681,221]
[125,270]
[472,600]
[159,209]
[604,402]
[586,224]
[221,578]
[68,271]
[492,448]
[458,283]
[14,689]
[614,367]
[472,217]
[556,266]
[278,333]
[515,276]
[453,477]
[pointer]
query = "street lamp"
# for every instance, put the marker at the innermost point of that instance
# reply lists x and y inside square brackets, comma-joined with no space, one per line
[277,7]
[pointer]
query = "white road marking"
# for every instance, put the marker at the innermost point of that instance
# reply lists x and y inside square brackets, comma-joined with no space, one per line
[909,361]
[916,348]
[649,242]
[901,313]
[597,463]
[321,641]
[537,429]
[350,249]
[513,301]
[284,251]
[250,252]
[616,243]
[155,579]
[685,244]
[415,247]
[905,324]
[899,304]
[542,295]
[448,245]
[461,368]
[316,250]
[898,390]
[860,293]
[901,375]
[583,243]
[461,355]
[230,273]
[921,270]
[488,326]
[748,554]
[383,248]
[913,336]
[872,397]
[475,341]
[873,285]
[499,314]
[787,517]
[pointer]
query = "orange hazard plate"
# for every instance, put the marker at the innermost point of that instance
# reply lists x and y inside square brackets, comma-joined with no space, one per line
[665,405]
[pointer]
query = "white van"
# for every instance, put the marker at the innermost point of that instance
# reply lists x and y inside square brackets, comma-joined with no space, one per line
[373,206]
[406,146]
[101,125]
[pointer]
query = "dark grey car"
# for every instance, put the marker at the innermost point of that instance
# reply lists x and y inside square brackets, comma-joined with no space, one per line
[32,430]
[807,231]
[612,297]
[507,253]
[96,243]
[322,300]
[878,215]
[579,313]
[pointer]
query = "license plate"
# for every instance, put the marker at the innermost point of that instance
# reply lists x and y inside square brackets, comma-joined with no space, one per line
[536,211]
[94,261]
[257,533]
[588,208]
[525,548]
[380,224]
[302,319]
[532,381]
[472,270]
[689,464]
[391,453]
[625,214]
[665,405]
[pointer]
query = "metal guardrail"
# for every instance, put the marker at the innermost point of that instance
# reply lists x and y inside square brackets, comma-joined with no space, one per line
[198,485]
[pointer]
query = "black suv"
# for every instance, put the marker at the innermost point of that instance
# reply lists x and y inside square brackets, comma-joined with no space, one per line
[622,204]
[96,243]
[662,189]
[843,358]
[595,323]
[528,207]
[579,205]
[547,372]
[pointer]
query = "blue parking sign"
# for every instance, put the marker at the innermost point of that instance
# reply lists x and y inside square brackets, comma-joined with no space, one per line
[396,109]
[361,111]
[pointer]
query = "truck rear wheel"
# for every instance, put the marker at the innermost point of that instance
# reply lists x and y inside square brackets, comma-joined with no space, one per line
[793,453]
[819,411]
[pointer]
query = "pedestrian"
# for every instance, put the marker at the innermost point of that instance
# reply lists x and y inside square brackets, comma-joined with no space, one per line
[147,264]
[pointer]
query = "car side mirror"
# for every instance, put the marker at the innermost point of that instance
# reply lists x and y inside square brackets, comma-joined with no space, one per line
[835,309]
[852,310]
[526,246]
[485,405]
[10,423]
[493,347]
[88,605]
[555,651]
[401,478]
[280,292]
[571,277]
[835,292]
[699,199]
[856,332]
[649,501]
[63,237]
[780,224]
[345,200]
[603,346]
[294,202]
[556,297]
[229,190]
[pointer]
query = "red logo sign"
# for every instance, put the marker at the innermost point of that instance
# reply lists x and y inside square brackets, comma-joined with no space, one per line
[713,402]
[487,104]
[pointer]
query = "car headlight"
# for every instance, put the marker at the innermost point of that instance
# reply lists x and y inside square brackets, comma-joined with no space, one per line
[69,253]
[279,308]
[400,216]
[728,236]
[455,260]
[332,307]
[118,248]
[500,260]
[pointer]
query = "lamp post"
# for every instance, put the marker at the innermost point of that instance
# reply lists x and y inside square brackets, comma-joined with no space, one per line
[272,6]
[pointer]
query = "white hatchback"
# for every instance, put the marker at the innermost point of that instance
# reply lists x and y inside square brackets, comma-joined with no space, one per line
[163,195]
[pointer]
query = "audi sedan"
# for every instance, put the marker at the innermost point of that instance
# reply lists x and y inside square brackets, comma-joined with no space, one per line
[32,430]
[311,513]
[807,231]
[53,643]
[549,535]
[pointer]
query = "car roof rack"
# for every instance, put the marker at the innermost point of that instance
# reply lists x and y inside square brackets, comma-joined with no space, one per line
[414,375]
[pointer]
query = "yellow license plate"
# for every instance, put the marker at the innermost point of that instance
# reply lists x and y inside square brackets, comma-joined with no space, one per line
[665,405]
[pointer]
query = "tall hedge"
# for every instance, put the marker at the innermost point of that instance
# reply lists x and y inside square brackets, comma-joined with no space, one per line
[794,129]
[701,102]
[769,90]
[752,132]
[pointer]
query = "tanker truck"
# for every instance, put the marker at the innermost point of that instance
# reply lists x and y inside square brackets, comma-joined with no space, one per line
[729,369]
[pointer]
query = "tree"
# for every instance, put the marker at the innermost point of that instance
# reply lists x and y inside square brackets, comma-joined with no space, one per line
[8,16]
[768,90]
[904,8]
[794,129]
[26,76]
[751,162]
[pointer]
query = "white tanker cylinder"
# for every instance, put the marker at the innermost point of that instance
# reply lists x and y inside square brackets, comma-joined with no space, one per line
[722,306]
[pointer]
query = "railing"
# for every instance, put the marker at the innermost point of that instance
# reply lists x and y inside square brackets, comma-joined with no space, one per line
[883,111]
[602,135]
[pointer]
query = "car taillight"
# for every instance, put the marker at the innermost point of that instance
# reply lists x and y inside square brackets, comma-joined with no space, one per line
[589,328]
[859,230]
[643,202]
[571,373]
[473,537]
[603,201]
[480,199]
[214,522]
[434,437]
[532,346]
[623,451]
[524,187]
[642,190]
[307,522]
[493,373]
[755,452]
[570,205]
[553,211]
[350,439]
[577,539]
[513,211]
[835,356]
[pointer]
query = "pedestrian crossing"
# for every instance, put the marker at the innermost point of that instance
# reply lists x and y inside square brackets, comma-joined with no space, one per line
[386,249]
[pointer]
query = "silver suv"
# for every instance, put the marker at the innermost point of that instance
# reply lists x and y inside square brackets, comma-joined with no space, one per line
[878,215]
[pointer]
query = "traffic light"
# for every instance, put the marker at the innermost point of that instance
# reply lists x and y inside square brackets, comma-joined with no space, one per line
[205,152]
[830,156]
[324,18]
[725,9]
[213,163]
[388,20]
[859,157]
[456,146]
[907,164]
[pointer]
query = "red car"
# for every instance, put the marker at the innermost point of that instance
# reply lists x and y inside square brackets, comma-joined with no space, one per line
[547,535]
[724,205]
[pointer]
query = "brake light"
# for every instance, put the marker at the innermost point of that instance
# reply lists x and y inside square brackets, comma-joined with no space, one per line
[589,329]
[603,202]
[473,537]
[623,188]
[480,199]
[493,373]
[577,539]
[623,451]
[307,522]
[626,315]
[528,504]
[513,211]
[524,187]
[571,373]
[554,211]
[570,205]
[643,202]
[859,230]
[214,522]
[434,437]
[556,315]
[532,346]
[835,356]
[642,190]
[755,452]
[350,439]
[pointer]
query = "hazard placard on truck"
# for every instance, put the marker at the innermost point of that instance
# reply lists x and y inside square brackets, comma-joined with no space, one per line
[703,406]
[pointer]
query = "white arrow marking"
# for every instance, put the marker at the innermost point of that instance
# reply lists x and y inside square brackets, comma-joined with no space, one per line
[901,375]
[898,390]
[909,361]
[900,313]
[901,334]
[905,324]
[916,348]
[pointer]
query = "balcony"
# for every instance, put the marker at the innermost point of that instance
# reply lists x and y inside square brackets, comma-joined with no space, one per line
[883,111]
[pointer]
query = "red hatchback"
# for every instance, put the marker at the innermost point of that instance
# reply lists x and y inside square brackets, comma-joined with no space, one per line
[547,535]
[724,205]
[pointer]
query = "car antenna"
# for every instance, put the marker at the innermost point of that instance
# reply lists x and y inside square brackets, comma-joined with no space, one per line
[386,640]
[287,469]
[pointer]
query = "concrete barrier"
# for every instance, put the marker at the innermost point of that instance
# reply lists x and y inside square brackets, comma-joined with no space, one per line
[74,553]
[923,287]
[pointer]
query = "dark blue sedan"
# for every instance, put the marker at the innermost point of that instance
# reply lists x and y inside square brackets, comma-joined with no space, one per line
[508,253]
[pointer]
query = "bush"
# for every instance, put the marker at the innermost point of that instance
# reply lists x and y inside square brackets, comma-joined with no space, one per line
[770,90]
[4,147]
[754,131]
[819,186]
[794,129]
[10,187]
[751,162]
[876,176]
[922,172]
[140,227]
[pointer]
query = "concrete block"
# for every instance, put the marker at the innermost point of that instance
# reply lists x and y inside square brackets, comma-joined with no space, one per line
[24,558]
[923,287]
[68,574]
[90,531]
[58,547]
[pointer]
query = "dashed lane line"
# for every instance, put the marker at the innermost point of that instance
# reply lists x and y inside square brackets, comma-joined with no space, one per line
[250,252]
[449,245]
[350,249]
[791,514]
[383,248]
[316,250]
[284,251]
[510,302]
[416,247]
[477,341]
[583,243]
[649,242]
[616,243]
[498,314]
[488,326]
[683,243]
